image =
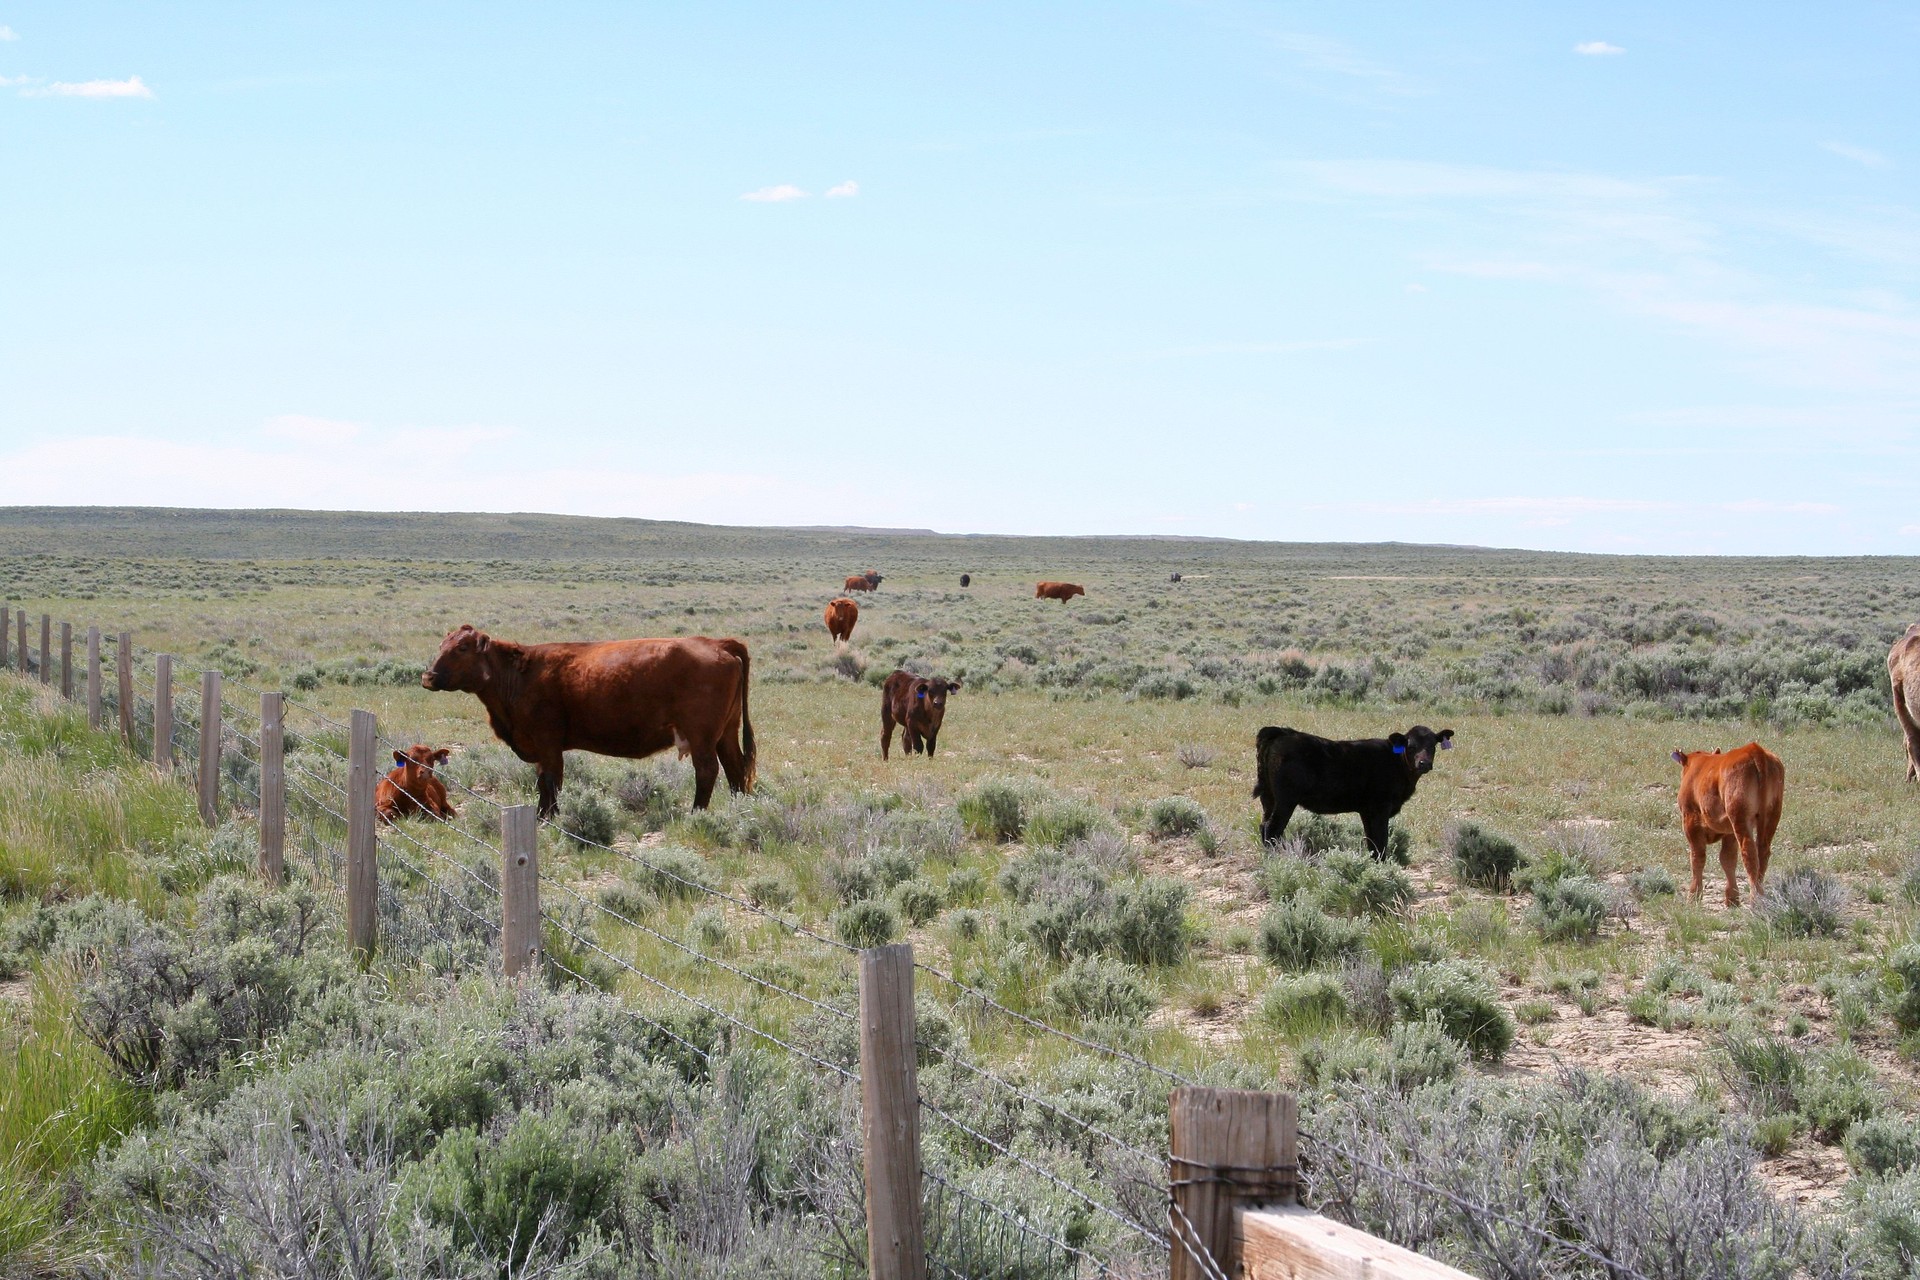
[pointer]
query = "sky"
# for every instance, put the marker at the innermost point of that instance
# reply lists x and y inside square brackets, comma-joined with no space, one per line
[1621,277]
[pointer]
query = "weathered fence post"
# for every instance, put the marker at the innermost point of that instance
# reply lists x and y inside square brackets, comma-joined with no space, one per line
[163,711]
[66,661]
[1228,1149]
[93,678]
[46,648]
[23,656]
[362,873]
[123,665]
[520,890]
[273,790]
[890,1115]
[210,748]
[6,615]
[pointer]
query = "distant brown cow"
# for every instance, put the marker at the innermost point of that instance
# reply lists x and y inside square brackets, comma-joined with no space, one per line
[1061,591]
[410,786]
[868,581]
[841,615]
[918,704]
[1903,669]
[626,698]
[1733,797]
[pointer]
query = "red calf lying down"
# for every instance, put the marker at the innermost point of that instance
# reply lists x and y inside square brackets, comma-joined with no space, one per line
[1733,797]
[410,786]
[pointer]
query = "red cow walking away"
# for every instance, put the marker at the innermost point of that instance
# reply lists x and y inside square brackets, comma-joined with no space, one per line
[628,698]
[1061,591]
[1733,797]
[1903,671]
[410,786]
[868,581]
[918,704]
[841,615]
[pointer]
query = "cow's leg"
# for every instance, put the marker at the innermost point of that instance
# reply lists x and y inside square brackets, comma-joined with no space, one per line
[1697,850]
[1375,826]
[551,773]
[1279,814]
[1748,835]
[732,760]
[1730,863]
[932,738]
[1768,821]
[1909,728]
[886,731]
[706,771]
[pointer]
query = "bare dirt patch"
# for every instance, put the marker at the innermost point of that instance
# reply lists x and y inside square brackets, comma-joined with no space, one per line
[1610,1043]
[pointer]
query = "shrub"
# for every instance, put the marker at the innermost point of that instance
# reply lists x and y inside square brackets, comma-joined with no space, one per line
[867,923]
[1483,858]
[1149,922]
[672,872]
[1839,1090]
[1193,756]
[1062,822]
[1096,989]
[1298,935]
[630,897]
[1904,963]
[1317,833]
[1910,878]
[1652,882]
[1360,885]
[1463,1000]
[1569,909]
[966,887]
[1308,1002]
[966,923]
[1174,816]
[916,900]
[1805,903]
[1883,1144]
[1420,1053]
[1288,872]
[586,816]
[769,891]
[995,809]
[873,875]
[1337,1058]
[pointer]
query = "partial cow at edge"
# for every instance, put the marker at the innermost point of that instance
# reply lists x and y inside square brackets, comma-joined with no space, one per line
[918,704]
[1733,797]
[842,613]
[1061,591]
[410,786]
[868,581]
[1372,777]
[1903,671]
[628,698]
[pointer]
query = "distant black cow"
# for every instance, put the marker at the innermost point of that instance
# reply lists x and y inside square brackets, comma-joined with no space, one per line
[966,579]
[1372,777]
[1174,578]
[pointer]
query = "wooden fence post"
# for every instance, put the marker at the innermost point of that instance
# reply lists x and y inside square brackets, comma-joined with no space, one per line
[163,711]
[93,678]
[23,656]
[273,790]
[6,614]
[210,748]
[1227,1148]
[46,648]
[890,1115]
[520,890]
[123,664]
[362,873]
[66,661]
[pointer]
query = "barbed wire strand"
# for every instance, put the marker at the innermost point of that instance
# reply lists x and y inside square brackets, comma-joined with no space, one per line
[1018,1223]
[1190,1241]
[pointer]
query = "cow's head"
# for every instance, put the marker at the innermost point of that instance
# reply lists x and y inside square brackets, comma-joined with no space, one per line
[422,757]
[1418,745]
[873,579]
[464,662]
[930,695]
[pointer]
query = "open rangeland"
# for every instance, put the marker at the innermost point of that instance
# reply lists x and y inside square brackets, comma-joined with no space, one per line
[1084,847]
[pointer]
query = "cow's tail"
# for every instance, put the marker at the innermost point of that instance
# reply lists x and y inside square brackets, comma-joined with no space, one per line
[749,756]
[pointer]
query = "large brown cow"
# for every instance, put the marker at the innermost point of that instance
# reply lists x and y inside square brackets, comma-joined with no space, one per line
[1061,591]
[918,704]
[1733,797]
[868,581]
[410,786]
[841,615]
[1903,670]
[626,698]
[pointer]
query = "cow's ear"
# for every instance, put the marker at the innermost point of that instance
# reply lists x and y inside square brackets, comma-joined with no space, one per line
[953,686]
[440,756]
[400,758]
[1679,757]
[1398,741]
[1446,739]
[482,641]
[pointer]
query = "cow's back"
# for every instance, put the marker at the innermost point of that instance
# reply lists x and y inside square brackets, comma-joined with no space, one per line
[617,696]
[1733,788]
[1903,663]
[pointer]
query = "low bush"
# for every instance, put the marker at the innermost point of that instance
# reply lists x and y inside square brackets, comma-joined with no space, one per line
[770,891]
[707,930]
[1483,858]
[1308,1002]
[1904,964]
[1356,885]
[996,809]
[916,900]
[966,887]
[1337,1058]
[866,923]
[1174,816]
[672,873]
[1883,1144]
[1569,909]
[1829,1089]
[1652,882]
[1421,1053]
[1298,935]
[1096,989]
[1149,922]
[1318,833]
[1463,1001]
[1805,903]
[586,816]
[1062,822]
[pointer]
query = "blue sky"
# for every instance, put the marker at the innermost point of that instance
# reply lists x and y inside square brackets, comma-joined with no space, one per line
[1635,278]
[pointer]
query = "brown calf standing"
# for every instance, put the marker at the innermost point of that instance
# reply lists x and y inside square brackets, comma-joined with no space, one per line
[410,786]
[917,704]
[1061,591]
[868,581]
[1733,797]
[841,615]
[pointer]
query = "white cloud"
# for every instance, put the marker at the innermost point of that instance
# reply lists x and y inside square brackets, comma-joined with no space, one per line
[844,191]
[8,33]
[9,81]
[1318,53]
[1597,49]
[775,195]
[1261,348]
[1910,530]
[131,87]
[298,428]
[1859,155]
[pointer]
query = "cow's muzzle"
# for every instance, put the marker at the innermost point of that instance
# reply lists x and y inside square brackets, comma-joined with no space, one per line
[428,682]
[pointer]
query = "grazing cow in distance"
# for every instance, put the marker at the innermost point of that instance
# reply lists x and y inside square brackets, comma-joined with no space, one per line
[918,704]
[410,787]
[868,581]
[1733,797]
[627,698]
[1174,578]
[966,580]
[1061,591]
[1903,670]
[1373,777]
[842,613]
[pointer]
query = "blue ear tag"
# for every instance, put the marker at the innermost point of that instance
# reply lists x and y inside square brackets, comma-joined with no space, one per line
[1400,751]
[921,693]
